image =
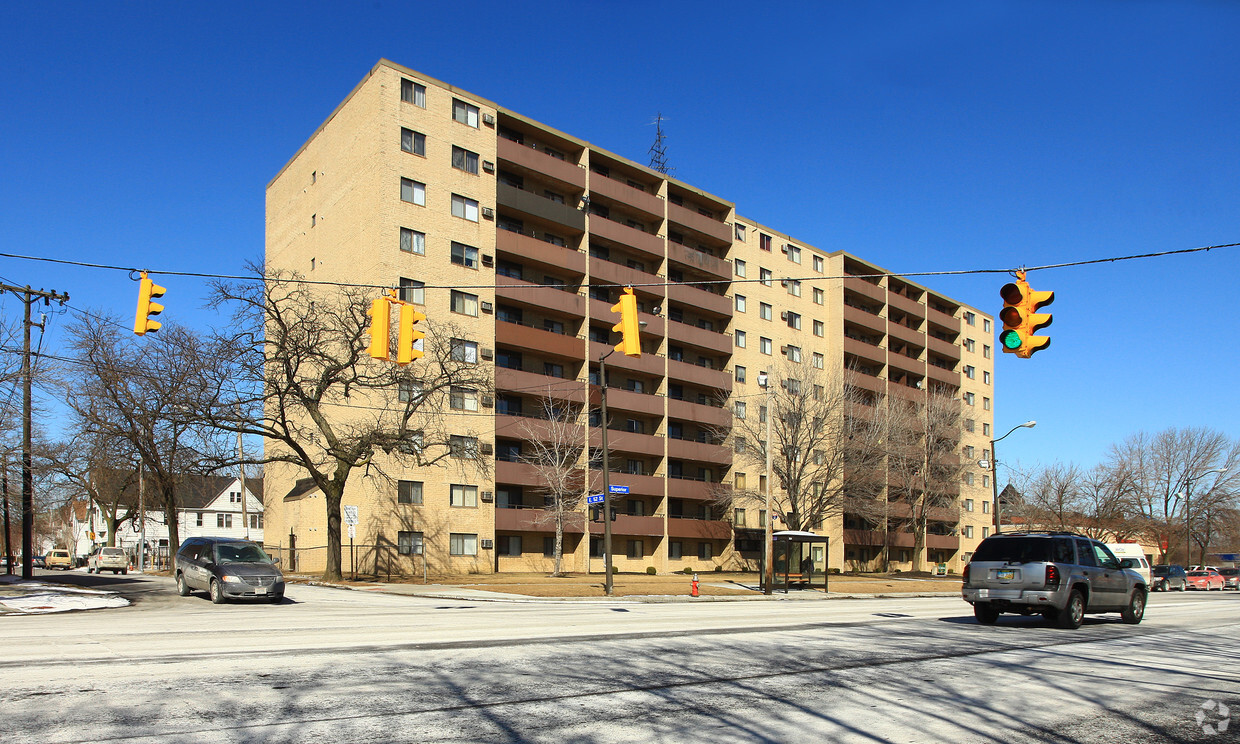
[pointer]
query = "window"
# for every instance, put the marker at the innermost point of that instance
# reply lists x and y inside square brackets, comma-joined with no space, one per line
[968,424]
[968,505]
[740,373]
[819,328]
[408,391]
[412,241]
[198,522]
[968,479]
[818,264]
[818,360]
[464,207]
[465,351]
[793,353]
[740,232]
[740,409]
[463,447]
[740,339]
[408,492]
[969,371]
[986,350]
[764,311]
[794,287]
[256,521]
[412,142]
[739,519]
[794,254]
[411,92]
[509,545]
[549,547]
[463,399]
[764,242]
[968,531]
[985,481]
[968,344]
[223,520]
[635,549]
[986,377]
[464,255]
[462,544]
[764,345]
[985,430]
[985,507]
[413,192]
[704,551]
[740,303]
[675,550]
[409,543]
[465,113]
[764,275]
[817,296]
[739,481]
[234,498]
[463,496]
[970,318]
[985,532]
[968,398]
[740,267]
[413,291]
[986,325]
[986,403]
[968,452]
[464,303]
[465,160]
[794,321]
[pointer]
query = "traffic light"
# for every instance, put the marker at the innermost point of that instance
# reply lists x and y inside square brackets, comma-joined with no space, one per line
[629,327]
[408,335]
[1021,318]
[147,290]
[380,328]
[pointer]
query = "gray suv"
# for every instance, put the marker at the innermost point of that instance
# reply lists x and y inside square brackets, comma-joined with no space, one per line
[227,568]
[1060,575]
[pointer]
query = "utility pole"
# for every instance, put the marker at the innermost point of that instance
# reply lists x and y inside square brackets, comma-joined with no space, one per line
[607,563]
[28,297]
[8,545]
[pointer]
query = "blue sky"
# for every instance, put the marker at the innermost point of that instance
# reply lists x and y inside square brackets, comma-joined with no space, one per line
[920,136]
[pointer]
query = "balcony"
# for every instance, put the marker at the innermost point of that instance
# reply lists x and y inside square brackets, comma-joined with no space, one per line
[552,344]
[865,351]
[649,364]
[906,334]
[528,427]
[702,414]
[625,194]
[533,250]
[902,363]
[701,338]
[691,489]
[683,254]
[701,224]
[542,386]
[703,529]
[944,348]
[912,307]
[687,449]
[639,485]
[874,538]
[631,402]
[943,542]
[866,320]
[943,376]
[700,299]
[704,376]
[946,320]
[539,162]
[539,297]
[651,245]
[536,520]
[629,525]
[601,310]
[537,206]
[627,441]
[868,382]
[608,271]
[865,289]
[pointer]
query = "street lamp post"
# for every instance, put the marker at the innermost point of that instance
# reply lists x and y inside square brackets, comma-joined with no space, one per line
[602,383]
[768,556]
[1188,525]
[994,472]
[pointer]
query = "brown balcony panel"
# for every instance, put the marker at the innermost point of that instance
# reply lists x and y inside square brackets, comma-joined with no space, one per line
[630,525]
[702,529]
[627,441]
[639,485]
[874,538]
[699,413]
[712,378]
[912,307]
[701,338]
[544,298]
[542,386]
[868,382]
[941,318]
[649,364]
[552,344]
[537,206]
[631,402]
[535,520]
[686,449]
[525,427]
[944,348]
[943,376]
[864,288]
[906,392]
[866,320]
[532,250]
[625,194]
[705,262]
[601,310]
[609,271]
[700,299]
[904,363]
[906,334]
[516,473]
[865,351]
[540,162]
[943,542]
[651,245]
[691,490]
[699,223]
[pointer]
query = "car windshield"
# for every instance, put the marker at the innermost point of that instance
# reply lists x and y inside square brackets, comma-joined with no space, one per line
[1162,570]
[112,551]
[1014,550]
[1198,573]
[1230,571]
[240,553]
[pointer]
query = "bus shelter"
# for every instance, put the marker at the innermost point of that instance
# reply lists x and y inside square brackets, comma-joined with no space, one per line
[800,560]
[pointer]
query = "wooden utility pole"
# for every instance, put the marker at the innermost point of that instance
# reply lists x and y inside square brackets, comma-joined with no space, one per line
[28,297]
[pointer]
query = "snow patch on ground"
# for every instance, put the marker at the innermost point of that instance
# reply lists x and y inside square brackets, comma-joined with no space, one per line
[35,597]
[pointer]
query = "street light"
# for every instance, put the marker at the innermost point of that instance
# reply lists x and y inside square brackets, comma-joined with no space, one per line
[767,553]
[994,472]
[1188,525]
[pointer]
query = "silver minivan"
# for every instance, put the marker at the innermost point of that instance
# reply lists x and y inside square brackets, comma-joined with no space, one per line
[227,568]
[1060,575]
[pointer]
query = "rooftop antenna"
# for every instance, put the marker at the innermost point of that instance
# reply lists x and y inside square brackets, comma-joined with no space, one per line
[658,151]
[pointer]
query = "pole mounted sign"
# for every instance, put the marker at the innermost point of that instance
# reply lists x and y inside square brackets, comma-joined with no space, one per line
[618,489]
[350,515]
[594,498]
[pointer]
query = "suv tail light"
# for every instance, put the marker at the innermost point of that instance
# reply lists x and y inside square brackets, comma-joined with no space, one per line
[1052,575]
[967,566]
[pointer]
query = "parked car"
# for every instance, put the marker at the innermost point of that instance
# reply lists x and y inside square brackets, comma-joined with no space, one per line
[1205,580]
[227,568]
[107,559]
[38,561]
[1231,577]
[1168,577]
[1134,553]
[59,558]
[1060,575]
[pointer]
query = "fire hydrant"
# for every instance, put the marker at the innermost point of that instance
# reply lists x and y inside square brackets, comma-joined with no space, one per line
[694,591]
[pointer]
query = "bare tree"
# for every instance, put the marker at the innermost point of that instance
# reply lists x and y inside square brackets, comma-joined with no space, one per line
[100,468]
[553,445]
[1053,498]
[296,371]
[1103,495]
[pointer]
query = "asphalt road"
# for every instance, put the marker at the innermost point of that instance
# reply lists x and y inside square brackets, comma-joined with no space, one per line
[333,665]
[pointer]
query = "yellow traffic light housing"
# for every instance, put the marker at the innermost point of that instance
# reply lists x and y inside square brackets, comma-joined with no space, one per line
[629,327]
[380,328]
[407,335]
[1021,318]
[142,321]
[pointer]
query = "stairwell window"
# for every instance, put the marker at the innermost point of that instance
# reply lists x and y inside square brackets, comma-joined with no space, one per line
[464,207]
[411,92]
[465,113]
[413,192]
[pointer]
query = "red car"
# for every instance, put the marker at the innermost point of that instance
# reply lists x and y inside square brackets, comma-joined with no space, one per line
[1208,580]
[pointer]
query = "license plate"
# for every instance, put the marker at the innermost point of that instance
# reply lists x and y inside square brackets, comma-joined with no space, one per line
[983,594]
[260,590]
[1005,575]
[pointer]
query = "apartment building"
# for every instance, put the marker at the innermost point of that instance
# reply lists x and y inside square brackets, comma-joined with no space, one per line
[525,236]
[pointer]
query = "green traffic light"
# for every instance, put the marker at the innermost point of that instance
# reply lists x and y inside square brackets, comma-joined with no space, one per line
[1010,340]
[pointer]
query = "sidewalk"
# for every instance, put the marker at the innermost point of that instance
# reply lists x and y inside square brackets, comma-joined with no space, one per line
[19,597]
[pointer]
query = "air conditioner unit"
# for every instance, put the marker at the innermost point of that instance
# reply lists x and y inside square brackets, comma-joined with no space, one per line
[487,307]
[488,119]
[784,249]
[488,166]
[783,282]
[783,315]
[783,350]
[487,543]
[488,213]
[488,496]
[486,448]
[487,353]
[488,401]
[488,259]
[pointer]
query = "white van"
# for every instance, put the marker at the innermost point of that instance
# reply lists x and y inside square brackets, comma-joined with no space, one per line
[1134,552]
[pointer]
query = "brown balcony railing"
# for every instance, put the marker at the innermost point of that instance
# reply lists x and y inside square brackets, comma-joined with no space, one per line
[540,162]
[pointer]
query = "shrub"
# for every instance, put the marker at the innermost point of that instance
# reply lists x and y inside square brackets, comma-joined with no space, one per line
[718,569]
[615,569]
[833,571]
[650,570]
[686,570]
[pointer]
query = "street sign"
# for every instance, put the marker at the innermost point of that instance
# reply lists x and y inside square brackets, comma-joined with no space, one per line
[350,515]
[594,498]
[618,489]
[352,531]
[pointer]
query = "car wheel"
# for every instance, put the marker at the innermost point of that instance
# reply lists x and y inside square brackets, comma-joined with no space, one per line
[217,592]
[1135,610]
[985,613]
[182,587]
[1073,613]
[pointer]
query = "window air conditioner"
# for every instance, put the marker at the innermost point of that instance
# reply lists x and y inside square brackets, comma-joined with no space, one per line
[784,249]
[488,213]
[487,543]
[487,353]
[488,401]
[487,307]
[488,166]
[783,315]
[486,448]
[488,259]
[783,282]
[488,119]
[488,496]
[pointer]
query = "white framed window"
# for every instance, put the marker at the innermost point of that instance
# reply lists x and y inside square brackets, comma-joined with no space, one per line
[411,92]
[413,241]
[818,264]
[460,543]
[464,351]
[764,311]
[794,287]
[764,345]
[408,492]
[764,276]
[739,266]
[463,496]
[465,160]
[464,303]
[740,373]
[985,507]
[465,113]
[740,409]
[740,303]
[223,520]
[464,255]
[818,360]
[463,398]
[464,207]
[409,543]
[412,290]
[793,353]
[794,254]
[740,339]
[819,328]
[413,192]
[412,142]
